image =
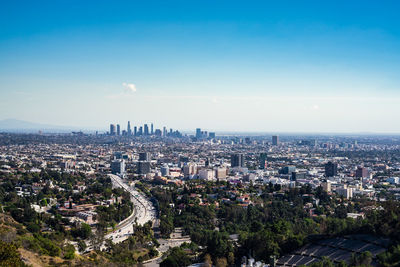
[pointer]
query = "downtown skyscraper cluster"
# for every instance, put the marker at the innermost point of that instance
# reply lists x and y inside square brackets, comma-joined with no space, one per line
[145,130]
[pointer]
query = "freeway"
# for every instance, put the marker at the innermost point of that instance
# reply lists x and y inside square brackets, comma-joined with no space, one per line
[143,212]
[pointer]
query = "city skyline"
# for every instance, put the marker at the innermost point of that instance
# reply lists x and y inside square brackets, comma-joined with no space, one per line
[262,67]
[19,126]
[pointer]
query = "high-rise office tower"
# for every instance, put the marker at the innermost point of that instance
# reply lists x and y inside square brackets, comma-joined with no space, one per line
[263,160]
[298,175]
[158,132]
[331,169]
[112,129]
[361,172]
[144,167]
[287,170]
[198,133]
[237,160]
[146,129]
[152,129]
[118,166]
[144,156]
[129,128]
[118,155]
[207,162]
[165,131]
[135,131]
[275,140]
[165,170]
[118,129]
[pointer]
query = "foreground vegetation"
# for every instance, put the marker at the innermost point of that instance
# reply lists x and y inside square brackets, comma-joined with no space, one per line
[275,224]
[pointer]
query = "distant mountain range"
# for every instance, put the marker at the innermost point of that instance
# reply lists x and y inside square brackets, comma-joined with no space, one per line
[13,125]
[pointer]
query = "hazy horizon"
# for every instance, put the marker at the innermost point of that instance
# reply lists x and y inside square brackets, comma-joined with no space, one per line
[314,67]
[47,128]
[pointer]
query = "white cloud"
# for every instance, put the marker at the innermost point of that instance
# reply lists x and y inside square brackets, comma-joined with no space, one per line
[315,107]
[129,87]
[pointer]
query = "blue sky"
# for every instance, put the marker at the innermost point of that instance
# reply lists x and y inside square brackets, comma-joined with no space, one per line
[301,66]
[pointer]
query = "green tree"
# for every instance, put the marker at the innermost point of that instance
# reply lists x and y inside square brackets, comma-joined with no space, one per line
[176,258]
[69,252]
[9,256]
[363,259]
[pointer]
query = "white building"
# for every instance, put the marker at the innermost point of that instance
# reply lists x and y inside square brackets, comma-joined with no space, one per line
[189,169]
[220,173]
[345,192]
[327,186]
[207,175]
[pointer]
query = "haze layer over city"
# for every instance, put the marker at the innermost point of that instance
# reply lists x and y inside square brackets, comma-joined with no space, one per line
[226,66]
[199,133]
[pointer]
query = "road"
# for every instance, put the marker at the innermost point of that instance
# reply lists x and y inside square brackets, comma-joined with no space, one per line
[143,212]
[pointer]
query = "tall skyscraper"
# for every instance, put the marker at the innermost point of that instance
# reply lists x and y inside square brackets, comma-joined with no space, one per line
[118,166]
[146,129]
[298,175]
[165,170]
[112,129]
[118,129]
[144,156]
[237,160]
[129,128]
[331,169]
[207,162]
[361,172]
[164,131]
[143,167]
[140,132]
[158,132]
[135,130]
[152,129]
[287,170]
[198,133]
[275,140]
[263,160]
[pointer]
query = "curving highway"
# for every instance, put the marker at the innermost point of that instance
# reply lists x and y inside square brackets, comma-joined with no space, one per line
[143,212]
